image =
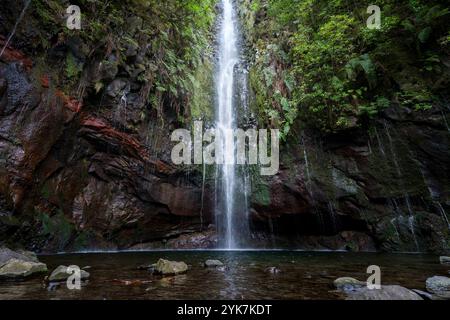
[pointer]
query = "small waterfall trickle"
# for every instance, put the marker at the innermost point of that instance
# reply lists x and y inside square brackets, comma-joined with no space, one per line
[13,32]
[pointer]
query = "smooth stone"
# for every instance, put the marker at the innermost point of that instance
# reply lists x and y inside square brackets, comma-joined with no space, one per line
[385,293]
[444,260]
[18,269]
[8,254]
[213,263]
[166,267]
[347,283]
[423,294]
[439,286]
[61,274]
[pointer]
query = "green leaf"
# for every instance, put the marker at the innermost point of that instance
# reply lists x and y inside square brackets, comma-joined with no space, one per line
[424,35]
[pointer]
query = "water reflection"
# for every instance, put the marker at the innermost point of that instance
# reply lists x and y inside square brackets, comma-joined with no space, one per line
[246,275]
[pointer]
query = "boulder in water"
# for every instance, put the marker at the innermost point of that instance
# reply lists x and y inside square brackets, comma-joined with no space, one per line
[439,286]
[348,284]
[19,269]
[61,274]
[358,290]
[213,263]
[166,267]
[8,254]
[385,293]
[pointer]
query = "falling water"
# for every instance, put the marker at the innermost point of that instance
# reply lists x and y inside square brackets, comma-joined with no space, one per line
[11,35]
[231,204]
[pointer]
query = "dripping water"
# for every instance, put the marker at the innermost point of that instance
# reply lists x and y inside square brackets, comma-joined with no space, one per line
[13,32]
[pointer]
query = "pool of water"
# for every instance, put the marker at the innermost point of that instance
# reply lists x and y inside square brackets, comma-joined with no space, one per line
[304,275]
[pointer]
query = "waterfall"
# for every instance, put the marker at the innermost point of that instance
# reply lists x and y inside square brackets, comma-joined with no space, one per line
[231,207]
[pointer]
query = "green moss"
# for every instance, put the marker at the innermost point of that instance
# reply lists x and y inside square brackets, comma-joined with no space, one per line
[261,194]
[202,103]
[316,62]
[58,227]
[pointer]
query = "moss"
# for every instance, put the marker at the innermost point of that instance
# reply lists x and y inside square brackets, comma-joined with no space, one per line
[202,102]
[261,194]
[58,227]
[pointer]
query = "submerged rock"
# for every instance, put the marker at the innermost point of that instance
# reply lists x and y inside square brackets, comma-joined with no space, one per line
[19,269]
[166,267]
[444,260]
[439,286]
[61,274]
[213,263]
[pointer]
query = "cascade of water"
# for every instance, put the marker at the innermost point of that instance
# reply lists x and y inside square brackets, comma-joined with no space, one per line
[412,228]
[13,32]
[231,210]
[393,223]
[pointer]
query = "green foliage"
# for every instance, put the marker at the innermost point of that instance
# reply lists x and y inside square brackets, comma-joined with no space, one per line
[176,36]
[340,71]
[73,68]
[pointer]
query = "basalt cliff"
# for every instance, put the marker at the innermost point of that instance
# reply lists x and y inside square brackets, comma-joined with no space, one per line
[86,117]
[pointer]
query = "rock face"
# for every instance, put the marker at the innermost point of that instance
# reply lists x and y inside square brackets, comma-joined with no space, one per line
[166,267]
[19,269]
[85,164]
[61,274]
[439,286]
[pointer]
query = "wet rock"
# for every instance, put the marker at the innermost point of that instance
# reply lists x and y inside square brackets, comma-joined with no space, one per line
[273,270]
[348,284]
[7,254]
[166,267]
[444,260]
[213,263]
[385,293]
[439,286]
[61,274]
[358,290]
[116,88]
[423,294]
[19,269]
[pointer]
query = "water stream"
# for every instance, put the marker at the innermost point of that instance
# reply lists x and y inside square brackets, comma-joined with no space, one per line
[231,203]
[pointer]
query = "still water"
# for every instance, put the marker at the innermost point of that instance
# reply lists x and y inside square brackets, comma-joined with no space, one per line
[303,275]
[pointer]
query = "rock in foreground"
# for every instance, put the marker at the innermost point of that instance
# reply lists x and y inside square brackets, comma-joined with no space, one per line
[61,274]
[166,267]
[358,290]
[385,293]
[213,263]
[19,269]
[8,254]
[439,287]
